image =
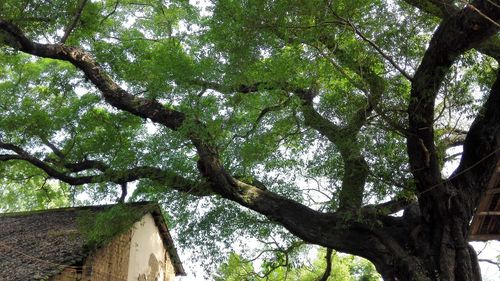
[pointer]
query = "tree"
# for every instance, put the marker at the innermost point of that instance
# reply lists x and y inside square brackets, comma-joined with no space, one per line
[325,117]
[342,268]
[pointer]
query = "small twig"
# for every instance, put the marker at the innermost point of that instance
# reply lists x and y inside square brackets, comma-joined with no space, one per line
[484,247]
[392,125]
[453,156]
[373,44]
[111,13]
[497,264]
[380,51]
[359,85]
[202,92]
[44,188]
[124,192]
[441,112]
[74,22]
[262,114]
[328,269]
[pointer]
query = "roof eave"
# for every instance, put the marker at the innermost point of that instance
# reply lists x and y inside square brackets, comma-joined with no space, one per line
[167,240]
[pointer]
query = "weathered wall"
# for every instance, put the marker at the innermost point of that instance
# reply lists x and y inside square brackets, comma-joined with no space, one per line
[149,260]
[137,255]
[169,268]
[109,263]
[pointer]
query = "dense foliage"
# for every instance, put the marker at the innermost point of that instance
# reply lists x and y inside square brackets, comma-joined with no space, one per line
[266,122]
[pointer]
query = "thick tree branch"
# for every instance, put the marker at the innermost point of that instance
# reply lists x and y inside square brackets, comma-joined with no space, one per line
[86,165]
[169,179]
[445,9]
[315,120]
[210,166]
[446,207]
[47,168]
[491,48]
[481,149]
[345,139]
[376,88]
[389,207]
[452,38]
[111,91]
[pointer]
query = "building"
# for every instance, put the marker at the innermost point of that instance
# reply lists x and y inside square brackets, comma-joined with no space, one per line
[486,222]
[127,242]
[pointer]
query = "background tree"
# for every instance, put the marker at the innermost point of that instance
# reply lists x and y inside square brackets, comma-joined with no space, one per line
[342,268]
[283,121]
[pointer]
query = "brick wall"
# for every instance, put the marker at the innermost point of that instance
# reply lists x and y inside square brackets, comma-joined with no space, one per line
[109,263]
[115,261]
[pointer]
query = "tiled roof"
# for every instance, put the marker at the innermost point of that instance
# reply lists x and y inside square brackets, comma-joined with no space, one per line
[38,245]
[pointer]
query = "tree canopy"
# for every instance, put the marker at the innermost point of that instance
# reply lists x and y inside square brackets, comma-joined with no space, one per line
[278,122]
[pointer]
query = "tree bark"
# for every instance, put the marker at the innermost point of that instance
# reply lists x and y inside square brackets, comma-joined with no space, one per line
[446,206]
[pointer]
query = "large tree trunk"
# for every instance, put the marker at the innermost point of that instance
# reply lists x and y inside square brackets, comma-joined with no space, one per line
[433,247]
[448,262]
[438,227]
[438,239]
[441,249]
